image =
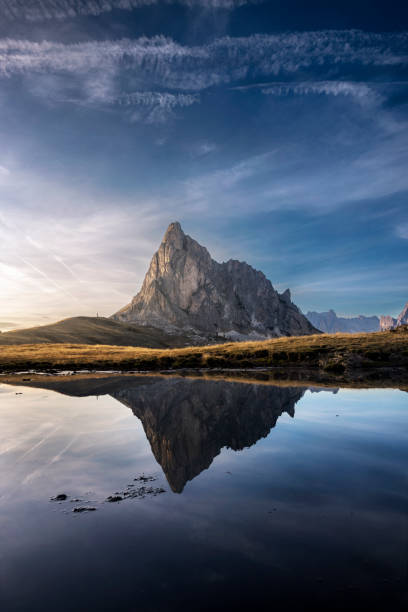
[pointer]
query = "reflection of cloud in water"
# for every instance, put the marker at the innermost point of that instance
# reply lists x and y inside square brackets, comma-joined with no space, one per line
[186,421]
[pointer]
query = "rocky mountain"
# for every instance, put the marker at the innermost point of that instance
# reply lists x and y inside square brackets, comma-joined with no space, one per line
[330,323]
[186,291]
[387,322]
[403,316]
[391,323]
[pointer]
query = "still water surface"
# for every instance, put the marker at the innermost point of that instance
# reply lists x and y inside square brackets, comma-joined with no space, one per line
[274,497]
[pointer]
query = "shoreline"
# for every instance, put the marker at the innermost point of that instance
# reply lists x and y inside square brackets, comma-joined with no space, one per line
[332,353]
[260,376]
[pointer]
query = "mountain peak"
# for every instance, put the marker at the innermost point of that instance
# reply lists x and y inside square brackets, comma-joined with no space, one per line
[185,290]
[174,233]
[403,316]
[387,322]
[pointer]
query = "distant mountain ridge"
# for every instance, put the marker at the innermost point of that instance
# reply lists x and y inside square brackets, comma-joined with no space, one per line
[186,291]
[329,323]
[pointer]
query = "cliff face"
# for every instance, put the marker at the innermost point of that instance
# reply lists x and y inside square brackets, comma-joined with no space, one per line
[186,290]
[387,322]
[188,422]
[403,316]
[330,323]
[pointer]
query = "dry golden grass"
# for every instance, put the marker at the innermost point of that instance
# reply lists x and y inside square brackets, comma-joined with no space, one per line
[335,352]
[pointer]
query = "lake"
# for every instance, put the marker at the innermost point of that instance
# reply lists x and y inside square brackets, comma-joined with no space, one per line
[234,496]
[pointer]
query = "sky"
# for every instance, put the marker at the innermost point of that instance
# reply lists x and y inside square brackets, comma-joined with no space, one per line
[275,132]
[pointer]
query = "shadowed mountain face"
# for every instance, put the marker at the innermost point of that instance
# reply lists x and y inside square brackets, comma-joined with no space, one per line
[188,422]
[185,290]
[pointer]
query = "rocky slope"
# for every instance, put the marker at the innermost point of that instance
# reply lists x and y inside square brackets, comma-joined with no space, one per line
[391,323]
[403,316]
[330,323]
[387,322]
[185,290]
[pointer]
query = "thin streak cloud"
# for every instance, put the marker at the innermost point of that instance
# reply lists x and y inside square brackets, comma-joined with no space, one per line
[42,10]
[47,278]
[160,74]
[361,92]
[167,63]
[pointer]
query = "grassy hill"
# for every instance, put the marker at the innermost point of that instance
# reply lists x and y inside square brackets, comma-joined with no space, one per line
[93,330]
[335,353]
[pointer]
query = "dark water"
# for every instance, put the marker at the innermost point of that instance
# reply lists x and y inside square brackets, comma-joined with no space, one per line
[275,497]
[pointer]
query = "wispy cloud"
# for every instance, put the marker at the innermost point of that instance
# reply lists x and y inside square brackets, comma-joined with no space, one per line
[402,231]
[58,263]
[41,10]
[361,279]
[295,177]
[162,74]
[154,106]
[202,149]
[361,92]
[201,191]
[197,67]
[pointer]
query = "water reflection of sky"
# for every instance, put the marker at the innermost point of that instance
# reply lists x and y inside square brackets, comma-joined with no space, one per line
[313,512]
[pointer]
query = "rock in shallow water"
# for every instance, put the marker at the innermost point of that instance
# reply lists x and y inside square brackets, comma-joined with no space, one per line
[60,497]
[84,509]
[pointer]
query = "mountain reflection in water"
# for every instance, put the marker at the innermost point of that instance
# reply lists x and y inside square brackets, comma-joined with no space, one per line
[321,496]
[188,422]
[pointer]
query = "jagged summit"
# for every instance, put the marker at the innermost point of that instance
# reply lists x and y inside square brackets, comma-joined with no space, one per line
[174,233]
[403,316]
[185,289]
[387,322]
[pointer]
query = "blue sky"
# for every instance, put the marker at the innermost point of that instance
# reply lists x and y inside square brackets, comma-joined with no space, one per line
[274,132]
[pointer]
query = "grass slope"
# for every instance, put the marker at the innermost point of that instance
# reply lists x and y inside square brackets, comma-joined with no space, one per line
[335,353]
[93,330]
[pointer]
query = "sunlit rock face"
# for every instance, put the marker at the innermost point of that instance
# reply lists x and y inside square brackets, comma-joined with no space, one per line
[188,422]
[403,316]
[387,322]
[391,323]
[186,290]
